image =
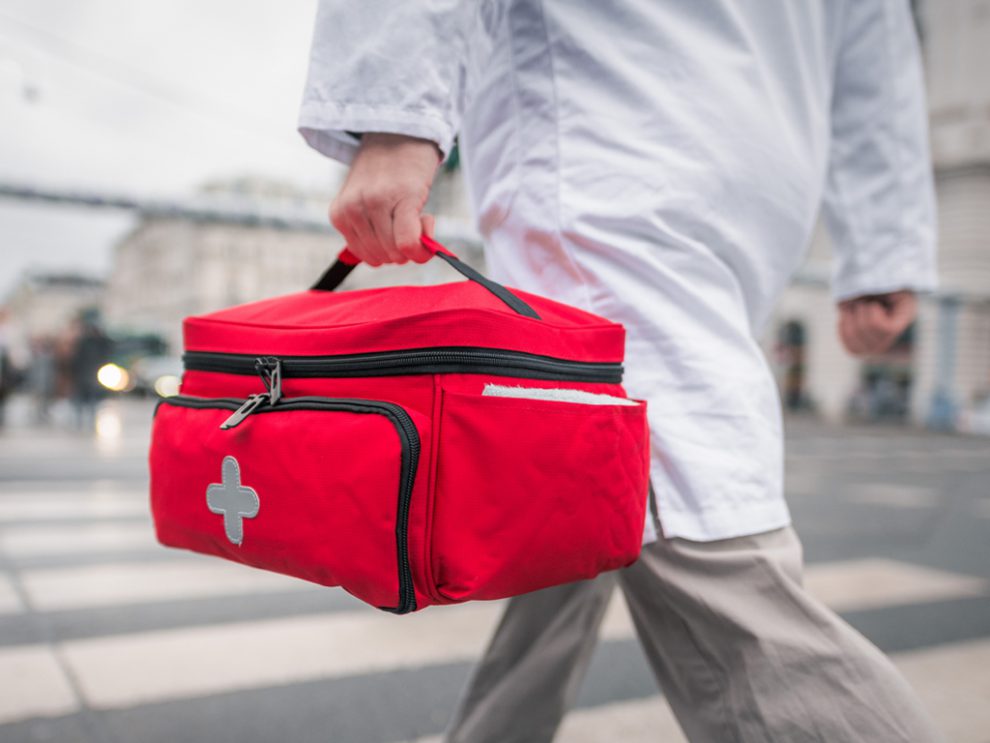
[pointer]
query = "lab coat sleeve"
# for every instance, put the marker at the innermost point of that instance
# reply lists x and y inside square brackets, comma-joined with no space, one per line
[879,197]
[384,66]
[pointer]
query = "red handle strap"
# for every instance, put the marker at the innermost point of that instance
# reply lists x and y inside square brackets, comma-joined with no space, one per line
[346,256]
[347,261]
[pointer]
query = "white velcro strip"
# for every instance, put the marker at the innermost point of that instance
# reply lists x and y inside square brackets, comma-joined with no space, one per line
[559,394]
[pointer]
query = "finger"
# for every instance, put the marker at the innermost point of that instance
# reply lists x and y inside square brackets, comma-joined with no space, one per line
[338,218]
[903,308]
[379,211]
[861,327]
[900,313]
[341,213]
[367,247]
[878,323]
[871,324]
[847,332]
[408,230]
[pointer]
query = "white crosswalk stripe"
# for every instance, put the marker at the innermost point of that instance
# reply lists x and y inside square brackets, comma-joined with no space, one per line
[637,721]
[264,653]
[889,494]
[45,506]
[874,583]
[33,541]
[954,681]
[640,720]
[115,584]
[858,584]
[34,684]
[10,601]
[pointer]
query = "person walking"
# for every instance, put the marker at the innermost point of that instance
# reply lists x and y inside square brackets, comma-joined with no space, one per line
[661,164]
[42,377]
[91,349]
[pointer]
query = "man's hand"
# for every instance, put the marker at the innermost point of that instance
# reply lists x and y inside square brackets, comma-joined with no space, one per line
[379,209]
[870,325]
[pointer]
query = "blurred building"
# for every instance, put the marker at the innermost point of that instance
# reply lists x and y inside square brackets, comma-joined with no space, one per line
[954,333]
[940,371]
[45,305]
[199,260]
[168,268]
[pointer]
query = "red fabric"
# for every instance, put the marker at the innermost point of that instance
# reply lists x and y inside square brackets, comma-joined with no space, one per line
[351,259]
[434,247]
[327,502]
[510,495]
[458,314]
[532,493]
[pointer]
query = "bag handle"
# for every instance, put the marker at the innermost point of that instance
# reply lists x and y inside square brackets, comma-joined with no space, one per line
[346,261]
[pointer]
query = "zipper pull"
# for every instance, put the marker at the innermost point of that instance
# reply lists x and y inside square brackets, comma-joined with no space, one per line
[250,405]
[270,369]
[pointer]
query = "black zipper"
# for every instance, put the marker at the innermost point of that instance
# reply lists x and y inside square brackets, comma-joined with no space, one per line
[408,437]
[444,360]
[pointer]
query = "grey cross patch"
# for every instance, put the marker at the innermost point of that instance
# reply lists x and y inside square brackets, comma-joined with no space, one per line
[235,501]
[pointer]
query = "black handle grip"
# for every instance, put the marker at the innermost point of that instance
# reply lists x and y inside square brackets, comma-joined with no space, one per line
[347,261]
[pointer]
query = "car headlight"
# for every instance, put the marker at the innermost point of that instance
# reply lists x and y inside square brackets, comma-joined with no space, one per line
[115,378]
[167,385]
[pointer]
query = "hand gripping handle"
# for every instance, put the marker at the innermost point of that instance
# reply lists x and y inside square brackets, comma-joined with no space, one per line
[346,261]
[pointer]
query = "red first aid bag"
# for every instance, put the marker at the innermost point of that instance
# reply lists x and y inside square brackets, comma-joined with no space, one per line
[415,445]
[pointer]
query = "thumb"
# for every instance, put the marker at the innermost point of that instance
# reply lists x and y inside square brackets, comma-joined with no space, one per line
[901,309]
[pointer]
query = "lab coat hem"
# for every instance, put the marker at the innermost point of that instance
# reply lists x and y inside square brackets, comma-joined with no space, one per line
[724,523]
[337,146]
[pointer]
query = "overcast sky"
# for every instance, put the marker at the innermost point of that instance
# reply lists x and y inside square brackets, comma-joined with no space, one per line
[148,98]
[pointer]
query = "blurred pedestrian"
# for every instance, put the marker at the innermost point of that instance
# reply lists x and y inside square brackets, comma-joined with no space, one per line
[661,164]
[42,377]
[8,377]
[91,349]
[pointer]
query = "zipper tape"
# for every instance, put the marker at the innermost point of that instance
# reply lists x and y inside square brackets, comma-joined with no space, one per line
[439,360]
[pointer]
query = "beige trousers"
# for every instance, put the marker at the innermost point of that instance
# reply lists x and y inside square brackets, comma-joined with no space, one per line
[740,650]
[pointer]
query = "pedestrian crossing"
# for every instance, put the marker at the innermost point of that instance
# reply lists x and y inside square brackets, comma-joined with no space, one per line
[147,667]
[846,585]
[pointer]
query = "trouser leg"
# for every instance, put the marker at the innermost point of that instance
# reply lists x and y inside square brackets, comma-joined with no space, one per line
[533,666]
[744,653]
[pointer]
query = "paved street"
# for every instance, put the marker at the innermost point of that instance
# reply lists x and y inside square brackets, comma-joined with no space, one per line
[107,637]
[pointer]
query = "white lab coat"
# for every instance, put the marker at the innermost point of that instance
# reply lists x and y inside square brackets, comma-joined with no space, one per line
[661,164]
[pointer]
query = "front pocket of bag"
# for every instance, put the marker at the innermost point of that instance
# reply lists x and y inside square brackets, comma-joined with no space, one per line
[316,488]
[533,493]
